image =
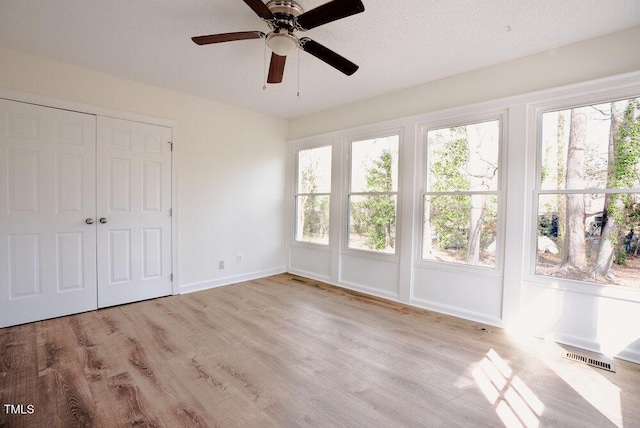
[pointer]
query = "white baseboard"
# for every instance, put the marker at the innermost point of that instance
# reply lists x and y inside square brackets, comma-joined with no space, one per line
[345,284]
[422,304]
[369,290]
[310,275]
[629,355]
[456,312]
[227,280]
[626,354]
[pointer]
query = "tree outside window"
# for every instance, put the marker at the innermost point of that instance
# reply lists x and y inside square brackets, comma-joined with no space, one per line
[461,194]
[373,194]
[588,196]
[313,191]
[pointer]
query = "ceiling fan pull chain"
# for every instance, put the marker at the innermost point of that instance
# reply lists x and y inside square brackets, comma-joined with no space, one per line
[298,94]
[264,69]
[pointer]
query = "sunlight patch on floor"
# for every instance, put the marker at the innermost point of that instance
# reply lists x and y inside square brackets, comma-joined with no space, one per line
[586,381]
[515,404]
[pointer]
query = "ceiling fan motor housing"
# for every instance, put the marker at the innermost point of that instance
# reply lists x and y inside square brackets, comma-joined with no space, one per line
[285,7]
[281,40]
[285,18]
[284,12]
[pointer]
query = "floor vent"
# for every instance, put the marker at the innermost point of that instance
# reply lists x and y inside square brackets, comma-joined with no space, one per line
[298,280]
[595,360]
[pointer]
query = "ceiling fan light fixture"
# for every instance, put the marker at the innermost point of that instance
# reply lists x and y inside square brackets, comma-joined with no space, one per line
[282,44]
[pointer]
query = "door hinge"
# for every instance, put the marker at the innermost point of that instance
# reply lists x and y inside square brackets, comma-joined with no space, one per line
[170,212]
[170,145]
[171,277]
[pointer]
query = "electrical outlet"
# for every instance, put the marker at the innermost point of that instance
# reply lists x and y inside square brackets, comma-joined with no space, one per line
[221,264]
[239,258]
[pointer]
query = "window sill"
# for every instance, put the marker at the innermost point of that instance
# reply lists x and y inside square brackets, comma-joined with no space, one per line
[483,271]
[310,245]
[572,286]
[369,254]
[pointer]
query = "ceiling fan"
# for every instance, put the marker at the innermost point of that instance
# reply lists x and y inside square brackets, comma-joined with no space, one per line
[284,18]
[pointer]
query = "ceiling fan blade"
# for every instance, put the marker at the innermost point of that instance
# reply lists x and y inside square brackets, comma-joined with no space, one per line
[259,8]
[328,12]
[276,68]
[327,55]
[227,37]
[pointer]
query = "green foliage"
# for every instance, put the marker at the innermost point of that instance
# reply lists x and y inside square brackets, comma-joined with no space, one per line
[380,178]
[450,158]
[376,215]
[620,258]
[315,209]
[450,215]
[628,148]
[547,223]
[625,175]
[625,167]
[488,233]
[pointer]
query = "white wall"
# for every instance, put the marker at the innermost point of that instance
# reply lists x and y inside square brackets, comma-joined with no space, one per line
[605,319]
[230,166]
[609,55]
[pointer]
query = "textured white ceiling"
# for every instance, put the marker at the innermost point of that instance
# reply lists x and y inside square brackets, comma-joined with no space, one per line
[397,44]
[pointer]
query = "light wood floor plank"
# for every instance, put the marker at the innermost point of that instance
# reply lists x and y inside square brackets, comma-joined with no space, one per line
[288,352]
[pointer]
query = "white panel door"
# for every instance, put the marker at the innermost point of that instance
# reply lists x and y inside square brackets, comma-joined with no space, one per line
[134,203]
[47,202]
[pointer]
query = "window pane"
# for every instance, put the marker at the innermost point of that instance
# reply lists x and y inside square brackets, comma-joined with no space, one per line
[463,157]
[596,146]
[577,240]
[374,165]
[460,229]
[372,222]
[314,170]
[312,219]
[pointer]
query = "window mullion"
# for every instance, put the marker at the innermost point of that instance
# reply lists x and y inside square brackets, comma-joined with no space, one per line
[461,192]
[592,191]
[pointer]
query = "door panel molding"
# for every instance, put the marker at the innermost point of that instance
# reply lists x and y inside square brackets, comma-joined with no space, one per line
[47,250]
[176,133]
[49,189]
[134,207]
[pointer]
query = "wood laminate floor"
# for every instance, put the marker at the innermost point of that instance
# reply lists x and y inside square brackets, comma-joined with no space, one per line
[279,352]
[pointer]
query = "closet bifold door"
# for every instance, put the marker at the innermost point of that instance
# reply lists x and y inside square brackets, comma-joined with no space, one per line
[47,213]
[133,211]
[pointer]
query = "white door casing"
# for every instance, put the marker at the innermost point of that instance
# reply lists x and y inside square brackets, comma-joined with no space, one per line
[47,193]
[134,202]
[60,172]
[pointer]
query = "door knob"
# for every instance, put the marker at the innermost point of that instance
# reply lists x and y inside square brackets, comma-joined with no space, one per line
[89,221]
[103,220]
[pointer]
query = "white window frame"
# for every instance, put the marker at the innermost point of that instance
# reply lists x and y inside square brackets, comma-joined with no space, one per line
[423,129]
[296,194]
[535,152]
[348,168]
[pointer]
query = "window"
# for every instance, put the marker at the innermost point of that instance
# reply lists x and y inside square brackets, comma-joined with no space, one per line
[373,194]
[460,201]
[312,198]
[588,194]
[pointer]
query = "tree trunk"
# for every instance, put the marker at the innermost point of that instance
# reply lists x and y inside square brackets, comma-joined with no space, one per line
[575,255]
[560,180]
[478,213]
[427,241]
[612,203]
